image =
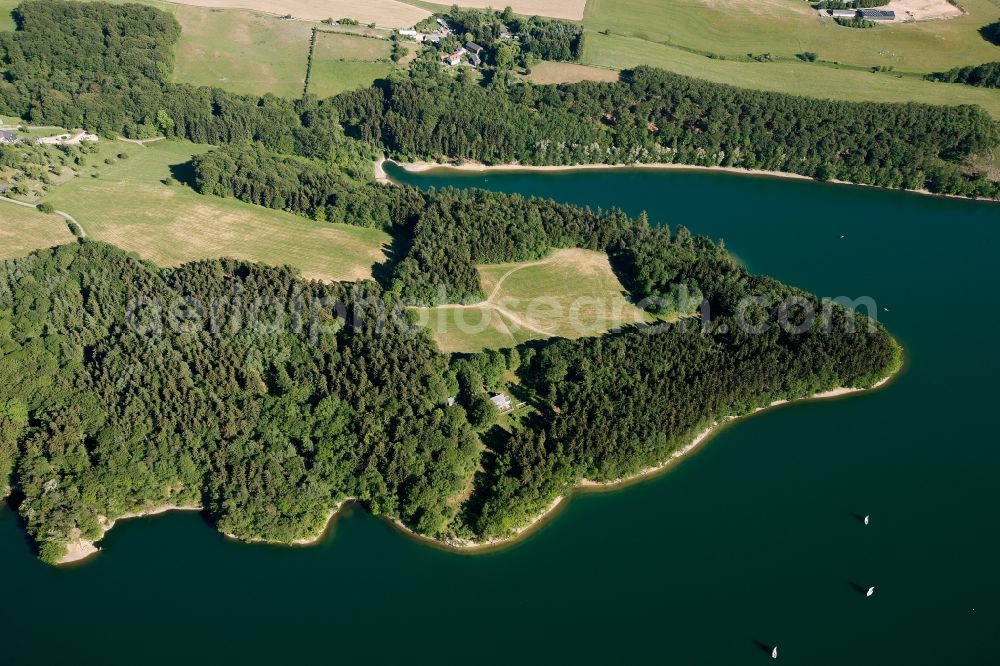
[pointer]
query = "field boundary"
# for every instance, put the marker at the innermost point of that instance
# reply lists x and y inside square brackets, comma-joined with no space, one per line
[309,62]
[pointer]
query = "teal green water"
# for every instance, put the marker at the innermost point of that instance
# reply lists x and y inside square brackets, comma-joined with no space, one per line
[750,540]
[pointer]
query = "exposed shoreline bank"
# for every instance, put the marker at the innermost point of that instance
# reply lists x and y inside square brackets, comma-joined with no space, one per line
[584,485]
[81,549]
[304,541]
[478,167]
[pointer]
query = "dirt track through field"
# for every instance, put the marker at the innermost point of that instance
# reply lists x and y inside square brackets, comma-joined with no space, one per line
[491,304]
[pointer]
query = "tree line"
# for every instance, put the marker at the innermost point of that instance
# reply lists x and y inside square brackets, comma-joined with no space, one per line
[657,116]
[986,75]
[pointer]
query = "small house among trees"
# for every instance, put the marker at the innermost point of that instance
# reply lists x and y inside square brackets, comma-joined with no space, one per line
[502,402]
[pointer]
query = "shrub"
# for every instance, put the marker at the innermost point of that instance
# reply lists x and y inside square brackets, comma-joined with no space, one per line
[855,23]
[991,33]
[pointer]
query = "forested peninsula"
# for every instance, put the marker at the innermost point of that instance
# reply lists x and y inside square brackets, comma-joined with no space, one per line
[268,400]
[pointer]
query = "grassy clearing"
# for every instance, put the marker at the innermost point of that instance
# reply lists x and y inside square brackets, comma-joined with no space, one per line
[469,329]
[567,72]
[241,51]
[346,62]
[23,230]
[6,20]
[342,46]
[813,80]
[130,206]
[571,294]
[331,78]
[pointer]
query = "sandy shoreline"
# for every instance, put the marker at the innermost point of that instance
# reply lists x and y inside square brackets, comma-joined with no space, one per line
[80,549]
[712,429]
[305,541]
[478,167]
[585,484]
[381,176]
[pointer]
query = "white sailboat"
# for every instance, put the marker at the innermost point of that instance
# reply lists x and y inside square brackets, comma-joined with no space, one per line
[867,518]
[870,592]
[774,653]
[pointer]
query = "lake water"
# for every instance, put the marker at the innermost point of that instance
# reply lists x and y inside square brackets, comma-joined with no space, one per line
[750,542]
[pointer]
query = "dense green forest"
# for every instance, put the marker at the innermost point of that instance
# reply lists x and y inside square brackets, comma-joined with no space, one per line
[267,399]
[986,75]
[99,66]
[656,116]
[233,386]
[619,404]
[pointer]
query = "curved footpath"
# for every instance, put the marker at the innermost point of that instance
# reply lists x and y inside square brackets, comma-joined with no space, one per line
[80,548]
[66,216]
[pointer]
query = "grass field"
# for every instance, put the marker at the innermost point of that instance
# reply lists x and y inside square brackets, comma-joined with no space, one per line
[241,51]
[567,72]
[571,10]
[786,27]
[570,293]
[388,13]
[23,230]
[6,20]
[679,36]
[345,62]
[814,80]
[129,205]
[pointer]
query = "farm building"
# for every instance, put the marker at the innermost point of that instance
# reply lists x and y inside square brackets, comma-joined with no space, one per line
[503,402]
[408,33]
[878,14]
[475,60]
[431,39]
[843,13]
[7,137]
[454,58]
[472,47]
